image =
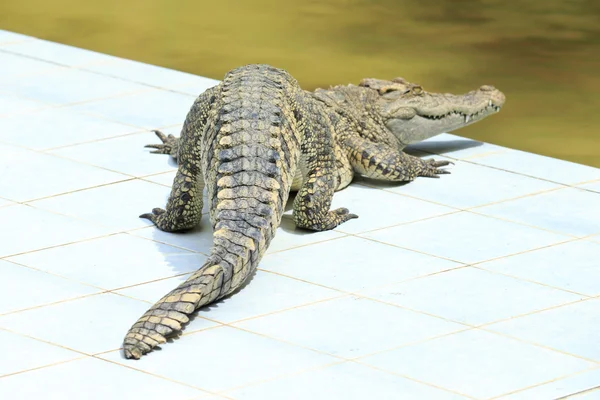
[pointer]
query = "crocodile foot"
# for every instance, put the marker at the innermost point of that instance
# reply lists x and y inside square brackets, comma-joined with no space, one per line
[158,217]
[339,216]
[332,219]
[170,144]
[431,168]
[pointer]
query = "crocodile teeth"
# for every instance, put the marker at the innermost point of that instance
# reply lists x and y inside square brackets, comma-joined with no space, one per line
[467,118]
[489,103]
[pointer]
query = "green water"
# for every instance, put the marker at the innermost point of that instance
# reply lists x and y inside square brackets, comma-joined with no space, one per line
[545,55]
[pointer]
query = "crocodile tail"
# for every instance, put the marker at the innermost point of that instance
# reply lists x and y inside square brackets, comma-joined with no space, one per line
[170,312]
[244,228]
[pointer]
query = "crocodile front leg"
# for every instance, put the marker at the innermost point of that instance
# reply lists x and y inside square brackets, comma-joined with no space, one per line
[312,203]
[379,161]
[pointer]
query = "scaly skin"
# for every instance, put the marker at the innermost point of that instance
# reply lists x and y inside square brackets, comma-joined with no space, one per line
[249,140]
[374,121]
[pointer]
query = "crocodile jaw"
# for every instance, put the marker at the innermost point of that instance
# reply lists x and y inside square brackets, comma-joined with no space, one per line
[413,118]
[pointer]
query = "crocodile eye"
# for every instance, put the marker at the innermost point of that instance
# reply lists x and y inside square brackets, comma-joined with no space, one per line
[416,90]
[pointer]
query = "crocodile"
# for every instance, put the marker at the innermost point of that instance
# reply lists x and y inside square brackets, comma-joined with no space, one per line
[253,139]
[249,140]
[376,119]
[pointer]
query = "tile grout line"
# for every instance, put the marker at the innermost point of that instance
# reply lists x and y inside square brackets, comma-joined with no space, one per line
[354,293]
[283,376]
[6,258]
[527,225]
[150,227]
[51,150]
[348,361]
[542,346]
[85,68]
[127,179]
[469,263]
[43,366]
[469,211]
[569,240]
[82,67]
[391,190]
[545,383]
[83,353]
[54,303]
[104,139]
[343,235]
[17,41]
[414,379]
[98,116]
[58,245]
[152,374]
[134,285]
[532,281]
[572,395]
[412,343]
[170,339]
[28,201]
[488,325]
[68,107]
[532,194]
[445,214]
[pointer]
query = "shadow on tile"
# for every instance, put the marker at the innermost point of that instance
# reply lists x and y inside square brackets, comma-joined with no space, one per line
[444,146]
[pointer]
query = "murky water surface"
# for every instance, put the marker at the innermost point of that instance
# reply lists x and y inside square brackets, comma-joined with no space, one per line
[545,55]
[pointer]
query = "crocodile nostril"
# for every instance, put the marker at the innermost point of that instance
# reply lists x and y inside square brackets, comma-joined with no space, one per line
[487,88]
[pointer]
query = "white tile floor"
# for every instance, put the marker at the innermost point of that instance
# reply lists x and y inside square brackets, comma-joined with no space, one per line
[484,284]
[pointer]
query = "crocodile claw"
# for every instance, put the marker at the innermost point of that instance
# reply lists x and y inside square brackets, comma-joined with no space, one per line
[152,216]
[442,163]
[431,168]
[168,146]
[339,216]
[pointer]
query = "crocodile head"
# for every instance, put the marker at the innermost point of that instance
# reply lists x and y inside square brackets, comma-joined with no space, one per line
[413,114]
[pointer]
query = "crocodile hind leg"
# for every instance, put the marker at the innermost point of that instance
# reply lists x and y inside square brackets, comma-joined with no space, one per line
[379,161]
[184,208]
[170,144]
[312,203]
